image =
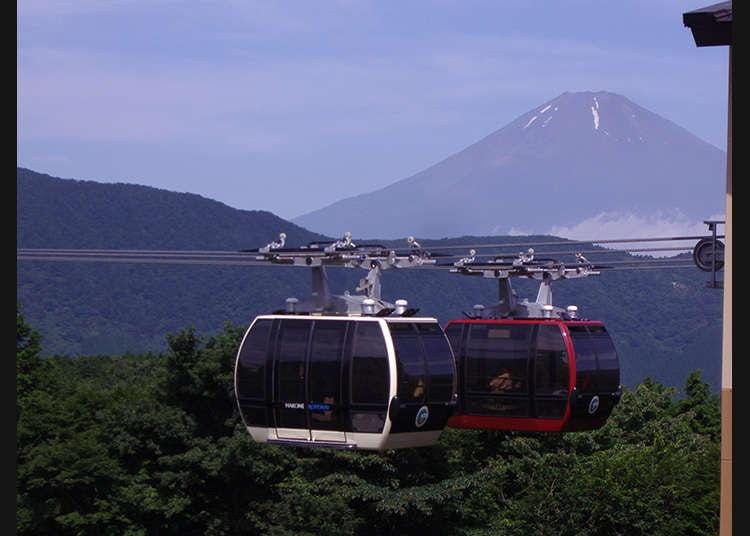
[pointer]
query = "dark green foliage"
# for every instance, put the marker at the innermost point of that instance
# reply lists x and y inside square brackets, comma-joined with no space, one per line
[112,308]
[199,379]
[152,444]
[85,214]
[701,405]
[27,356]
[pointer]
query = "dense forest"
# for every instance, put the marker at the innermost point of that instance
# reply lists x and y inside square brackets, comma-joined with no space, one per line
[665,323]
[153,444]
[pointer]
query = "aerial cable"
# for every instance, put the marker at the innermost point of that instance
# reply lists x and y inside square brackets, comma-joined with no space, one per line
[345,248]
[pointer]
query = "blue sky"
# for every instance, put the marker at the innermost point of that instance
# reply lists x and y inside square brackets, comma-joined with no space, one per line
[289,106]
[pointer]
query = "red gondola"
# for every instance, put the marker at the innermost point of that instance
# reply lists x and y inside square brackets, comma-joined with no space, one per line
[533,375]
[530,366]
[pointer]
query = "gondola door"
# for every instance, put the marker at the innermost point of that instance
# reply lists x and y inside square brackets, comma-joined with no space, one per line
[324,380]
[290,374]
[307,380]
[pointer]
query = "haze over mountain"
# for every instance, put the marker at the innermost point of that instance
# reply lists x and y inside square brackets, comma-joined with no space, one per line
[576,157]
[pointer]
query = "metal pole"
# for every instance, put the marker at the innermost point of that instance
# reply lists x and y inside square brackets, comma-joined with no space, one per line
[713,256]
[725,515]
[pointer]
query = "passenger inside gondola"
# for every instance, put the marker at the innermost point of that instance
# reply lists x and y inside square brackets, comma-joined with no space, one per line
[503,382]
[418,389]
[325,413]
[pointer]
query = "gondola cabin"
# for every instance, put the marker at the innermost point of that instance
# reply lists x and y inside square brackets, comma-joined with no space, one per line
[350,382]
[533,374]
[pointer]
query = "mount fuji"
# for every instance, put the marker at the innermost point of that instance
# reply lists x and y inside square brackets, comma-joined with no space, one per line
[573,158]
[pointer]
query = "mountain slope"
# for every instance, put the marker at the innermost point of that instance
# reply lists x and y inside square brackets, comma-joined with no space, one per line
[67,213]
[566,160]
[661,329]
[113,308]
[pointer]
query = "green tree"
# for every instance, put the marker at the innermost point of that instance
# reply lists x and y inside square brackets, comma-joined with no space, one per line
[199,378]
[703,406]
[153,444]
[28,348]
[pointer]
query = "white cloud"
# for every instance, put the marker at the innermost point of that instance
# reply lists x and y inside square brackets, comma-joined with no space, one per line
[622,225]
[515,231]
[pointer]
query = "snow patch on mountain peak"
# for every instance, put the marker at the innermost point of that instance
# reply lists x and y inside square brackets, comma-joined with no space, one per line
[595,113]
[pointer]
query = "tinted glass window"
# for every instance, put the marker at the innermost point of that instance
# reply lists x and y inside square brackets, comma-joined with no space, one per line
[551,407]
[440,366]
[453,332]
[325,366]
[252,366]
[593,344]
[585,358]
[370,384]
[501,406]
[292,350]
[496,358]
[412,375]
[367,421]
[551,363]
[609,365]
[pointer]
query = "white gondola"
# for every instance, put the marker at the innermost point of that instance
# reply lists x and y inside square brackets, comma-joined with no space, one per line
[349,371]
[353,382]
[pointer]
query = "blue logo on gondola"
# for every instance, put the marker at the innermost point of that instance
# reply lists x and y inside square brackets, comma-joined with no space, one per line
[594,405]
[422,415]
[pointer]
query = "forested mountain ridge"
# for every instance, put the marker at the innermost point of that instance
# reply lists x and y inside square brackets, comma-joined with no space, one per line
[665,323]
[68,213]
